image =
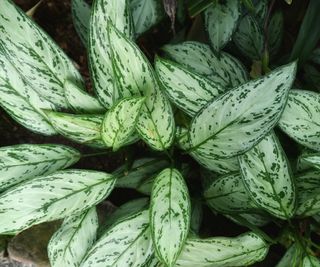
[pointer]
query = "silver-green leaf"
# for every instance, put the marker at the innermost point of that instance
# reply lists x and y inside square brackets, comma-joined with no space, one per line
[292,257]
[312,159]
[310,261]
[81,19]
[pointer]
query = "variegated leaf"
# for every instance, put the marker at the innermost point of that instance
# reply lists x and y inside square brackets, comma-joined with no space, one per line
[292,257]
[301,120]
[120,121]
[187,90]
[261,10]
[84,129]
[169,215]
[146,186]
[81,19]
[221,20]
[311,261]
[69,244]
[249,218]
[275,33]
[81,101]
[308,197]
[249,38]
[312,159]
[52,197]
[227,194]
[22,162]
[153,262]
[266,175]
[103,13]
[243,250]
[225,70]
[127,243]
[250,110]
[146,13]
[37,58]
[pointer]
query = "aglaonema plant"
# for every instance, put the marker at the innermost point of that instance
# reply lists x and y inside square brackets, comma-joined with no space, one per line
[228,133]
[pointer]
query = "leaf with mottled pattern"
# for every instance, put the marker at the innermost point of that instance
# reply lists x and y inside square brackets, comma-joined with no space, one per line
[266,175]
[52,197]
[22,162]
[225,70]
[127,243]
[243,250]
[221,20]
[69,244]
[169,215]
[292,257]
[311,261]
[275,33]
[301,120]
[312,159]
[81,18]
[237,120]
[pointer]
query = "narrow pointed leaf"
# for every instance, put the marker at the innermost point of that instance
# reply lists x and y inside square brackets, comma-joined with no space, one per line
[312,159]
[81,19]
[266,175]
[243,250]
[196,215]
[275,33]
[120,121]
[225,70]
[127,243]
[187,90]
[52,197]
[250,110]
[301,120]
[311,261]
[221,20]
[169,215]
[69,244]
[22,162]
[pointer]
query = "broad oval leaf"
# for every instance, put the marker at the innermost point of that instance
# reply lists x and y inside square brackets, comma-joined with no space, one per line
[22,162]
[187,90]
[301,120]
[225,70]
[310,261]
[120,121]
[221,20]
[312,159]
[69,244]
[243,250]
[266,175]
[237,120]
[127,243]
[170,214]
[81,19]
[52,197]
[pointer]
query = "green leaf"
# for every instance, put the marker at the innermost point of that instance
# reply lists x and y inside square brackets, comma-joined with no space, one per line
[41,63]
[243,250]
[249,38]
[120,121]
[312,159]
[237,120]
[310,261]
[22,162]
[187,90]
[301,120]
[261,10]
[267,177]
[81,19]
[225,70]
[275,33]
[69,244]
[169,215]
[227,194]
[292,257]
[103,13]
[52,197]
[221,20]
[81,101]
[128,243]
[195,7]
[308,185]
[84,129]
[146,13]
[196,215]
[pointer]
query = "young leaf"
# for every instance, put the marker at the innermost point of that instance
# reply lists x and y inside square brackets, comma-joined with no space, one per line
[249,38]
[127,243]
[266,175]
[275,33]
[119,122]
[69,244]
[237,120]
[22,162]
[103,13]
[301,120]
[52,197]
[81,18]
[169,215]
[84,129]
[261,10]
[81,101]
[221,20]
[312,159]
[310,261]
[292,257]
[225,70]
[187,90]
[243,250]
[196,215]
